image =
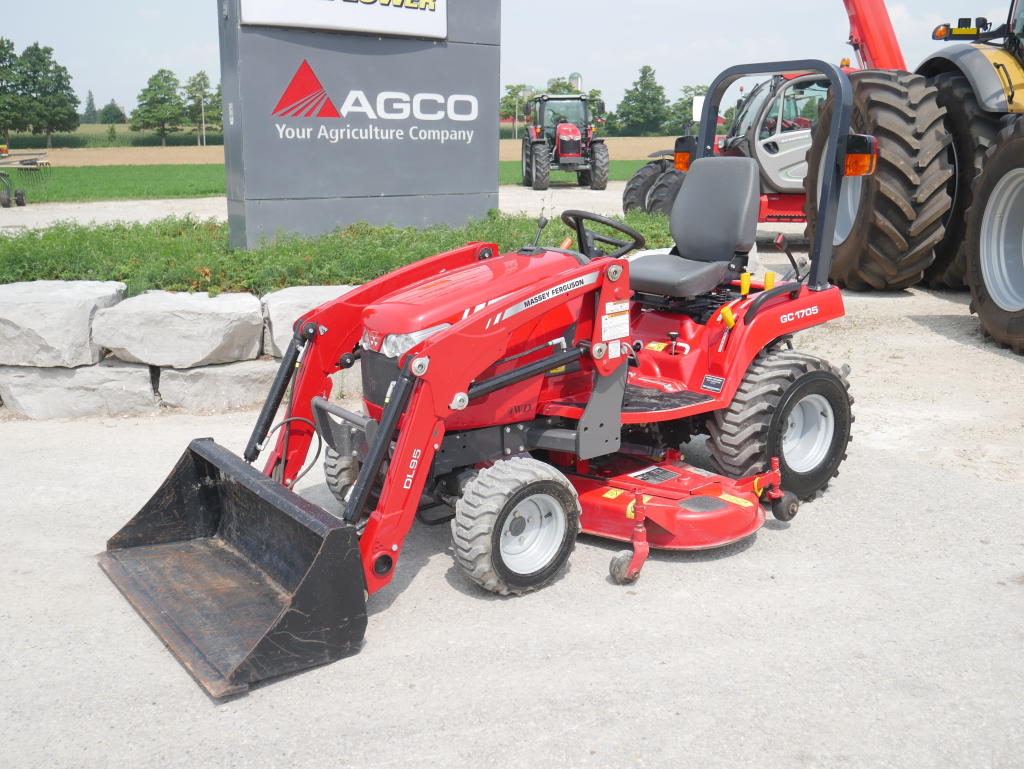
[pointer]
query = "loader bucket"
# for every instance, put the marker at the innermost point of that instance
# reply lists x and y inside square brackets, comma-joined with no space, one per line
[240,577]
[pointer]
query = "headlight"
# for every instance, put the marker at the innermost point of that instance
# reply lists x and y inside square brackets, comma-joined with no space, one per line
[398,344]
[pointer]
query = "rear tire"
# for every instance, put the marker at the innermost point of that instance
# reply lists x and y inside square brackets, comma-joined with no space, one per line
[792,406]
[634,197]
[515,525]
[895,219]
[599,166]
[973,131]
[5,198]
[663,192]
[541,169]
[994,249]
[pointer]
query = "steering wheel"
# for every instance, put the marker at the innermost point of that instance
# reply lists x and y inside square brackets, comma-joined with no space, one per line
[588,239]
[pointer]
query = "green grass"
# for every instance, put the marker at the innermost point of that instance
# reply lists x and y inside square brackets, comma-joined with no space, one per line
[122,182]
[511,172]
[183,254]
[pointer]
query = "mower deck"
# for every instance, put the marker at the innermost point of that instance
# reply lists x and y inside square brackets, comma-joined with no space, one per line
[685,507]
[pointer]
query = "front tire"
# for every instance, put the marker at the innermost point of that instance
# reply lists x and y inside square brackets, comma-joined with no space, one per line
[889,223]
[515,525]
[995,240]
[19,197]
[792,406]
[340,472]
[599,166]
[541,169]
[527,164]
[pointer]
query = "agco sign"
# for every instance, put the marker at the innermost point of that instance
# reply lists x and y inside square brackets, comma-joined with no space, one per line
[305,97]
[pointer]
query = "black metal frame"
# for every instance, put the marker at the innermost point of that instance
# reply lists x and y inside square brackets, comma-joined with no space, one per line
[835,151]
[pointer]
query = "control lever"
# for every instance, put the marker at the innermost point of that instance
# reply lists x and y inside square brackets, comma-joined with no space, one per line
[542,222]
[783,245]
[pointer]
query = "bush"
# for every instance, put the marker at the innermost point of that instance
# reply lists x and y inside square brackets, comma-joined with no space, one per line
[184,254]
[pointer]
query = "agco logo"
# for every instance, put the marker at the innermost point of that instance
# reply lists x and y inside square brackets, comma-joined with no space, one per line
[306,97]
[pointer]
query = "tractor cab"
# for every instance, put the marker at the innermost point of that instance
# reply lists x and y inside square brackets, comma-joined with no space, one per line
[561,138]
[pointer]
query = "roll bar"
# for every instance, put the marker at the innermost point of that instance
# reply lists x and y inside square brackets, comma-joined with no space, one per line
[835,151]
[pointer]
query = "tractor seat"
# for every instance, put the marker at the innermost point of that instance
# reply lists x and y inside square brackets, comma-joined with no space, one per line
[714,218]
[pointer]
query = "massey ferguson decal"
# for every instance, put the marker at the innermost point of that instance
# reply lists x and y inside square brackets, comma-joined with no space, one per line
[305,97]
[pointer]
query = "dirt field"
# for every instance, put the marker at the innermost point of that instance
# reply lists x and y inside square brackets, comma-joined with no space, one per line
[136,156]
[619,148]
[624,148]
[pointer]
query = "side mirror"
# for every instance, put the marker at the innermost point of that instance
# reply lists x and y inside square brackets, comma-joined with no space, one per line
[697,108]
[599,105]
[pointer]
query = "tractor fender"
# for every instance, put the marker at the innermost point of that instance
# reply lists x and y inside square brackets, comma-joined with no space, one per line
[781,316]
[978,64]
[596,140]
[662,154]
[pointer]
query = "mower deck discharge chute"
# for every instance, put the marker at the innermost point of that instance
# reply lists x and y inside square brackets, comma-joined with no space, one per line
[524,397]
[241,578]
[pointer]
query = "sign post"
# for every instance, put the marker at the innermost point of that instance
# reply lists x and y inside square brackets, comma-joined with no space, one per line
[338,111]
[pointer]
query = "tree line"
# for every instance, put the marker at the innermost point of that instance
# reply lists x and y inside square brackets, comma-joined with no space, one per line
[645,110]
[36,95]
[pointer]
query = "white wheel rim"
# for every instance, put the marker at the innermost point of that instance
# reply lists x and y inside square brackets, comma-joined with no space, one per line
[1002,242]
[809,429]
[532,534]
[849,203]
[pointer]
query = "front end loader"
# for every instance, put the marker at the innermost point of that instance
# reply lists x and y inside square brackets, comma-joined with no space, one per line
[524,398]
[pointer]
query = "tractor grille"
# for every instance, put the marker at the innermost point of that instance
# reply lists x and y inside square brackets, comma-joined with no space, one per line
[569,146]
[378,372]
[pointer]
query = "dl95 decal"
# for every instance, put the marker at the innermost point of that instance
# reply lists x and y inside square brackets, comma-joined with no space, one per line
[789,317]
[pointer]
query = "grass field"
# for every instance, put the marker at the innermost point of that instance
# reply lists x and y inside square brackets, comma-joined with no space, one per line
[123,183]
[194,181]
[183,254]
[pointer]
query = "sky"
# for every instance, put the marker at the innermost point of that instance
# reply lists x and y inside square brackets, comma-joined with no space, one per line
[111,47]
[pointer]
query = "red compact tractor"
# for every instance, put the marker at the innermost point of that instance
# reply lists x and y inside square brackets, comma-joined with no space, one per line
[525,397]
[562,138]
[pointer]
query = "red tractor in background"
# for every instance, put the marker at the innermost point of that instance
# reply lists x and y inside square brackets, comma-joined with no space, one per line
[561,137]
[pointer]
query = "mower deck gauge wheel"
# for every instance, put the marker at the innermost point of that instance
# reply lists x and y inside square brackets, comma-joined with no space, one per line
[619,568]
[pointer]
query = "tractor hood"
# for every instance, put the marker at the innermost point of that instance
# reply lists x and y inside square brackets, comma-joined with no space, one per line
[452,296]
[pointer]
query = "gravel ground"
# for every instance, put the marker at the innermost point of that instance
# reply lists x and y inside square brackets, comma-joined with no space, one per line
[882,628]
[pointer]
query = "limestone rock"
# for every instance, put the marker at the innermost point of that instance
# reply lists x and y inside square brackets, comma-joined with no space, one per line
[107,389]
[182,330]
[49,322]
[212,388]
[282,308]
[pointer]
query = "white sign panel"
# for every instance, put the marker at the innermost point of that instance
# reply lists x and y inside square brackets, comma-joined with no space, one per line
[402,18]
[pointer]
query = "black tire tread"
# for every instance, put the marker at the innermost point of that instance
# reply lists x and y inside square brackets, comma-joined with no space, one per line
[340,473]
[663,192]
[540,178]
[476,514]
[599,162]
[634,196]
[906,197]
[739,433]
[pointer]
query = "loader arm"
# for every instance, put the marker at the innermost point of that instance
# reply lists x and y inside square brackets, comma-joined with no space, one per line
[431,396]
[872,35]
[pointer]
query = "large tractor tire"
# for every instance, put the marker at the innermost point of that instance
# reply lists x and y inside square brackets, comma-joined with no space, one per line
[994,247]
[973,131]
[515,525]
[663,192]
[527,163]
[599,166]
[889,223]
[634,197]
[792,406]
[540,172]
